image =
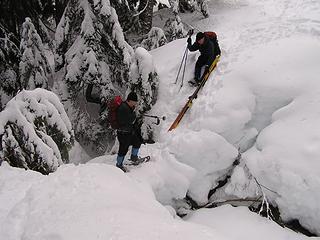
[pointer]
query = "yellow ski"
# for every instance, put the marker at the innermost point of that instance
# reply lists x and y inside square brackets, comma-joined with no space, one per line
[194,95]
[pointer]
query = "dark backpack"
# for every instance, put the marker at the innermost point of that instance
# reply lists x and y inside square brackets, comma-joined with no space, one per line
[213,37]
[112,113]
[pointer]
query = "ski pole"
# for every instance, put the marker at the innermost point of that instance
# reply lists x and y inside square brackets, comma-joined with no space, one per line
[184,70]
[156,117]
[184,55]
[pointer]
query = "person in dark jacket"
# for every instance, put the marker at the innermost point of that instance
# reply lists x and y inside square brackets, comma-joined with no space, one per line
[127,132]
[207,51]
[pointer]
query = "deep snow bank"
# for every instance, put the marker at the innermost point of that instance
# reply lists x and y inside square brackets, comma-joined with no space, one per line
[209,154]
[168,178]
[240,223]
[271,95]
[286,98]
[92,201]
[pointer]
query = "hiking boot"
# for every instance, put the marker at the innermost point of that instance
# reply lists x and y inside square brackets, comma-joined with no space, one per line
[121,167]
[135,159]
[194,82]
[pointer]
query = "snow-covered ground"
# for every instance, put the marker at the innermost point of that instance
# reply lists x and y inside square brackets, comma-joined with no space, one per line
[263,98]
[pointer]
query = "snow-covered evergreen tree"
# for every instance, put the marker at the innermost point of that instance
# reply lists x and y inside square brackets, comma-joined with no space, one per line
[145,14]
[13,14]
[187,5]
[34,67]
[203,4]
[156,38]
[9,58]
[91,46]
[174,28]
[174,4]
[91,49]
[35,131]
[125,12]
[145,82]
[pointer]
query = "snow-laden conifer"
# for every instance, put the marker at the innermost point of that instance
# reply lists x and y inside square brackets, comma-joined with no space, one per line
[9,58]
[156,38]
[174,4]
[34,67]
[145,80]
[174,28]
[91,46]
[187,5]
[91,49]
[145,83]
[203,4]
[35,131]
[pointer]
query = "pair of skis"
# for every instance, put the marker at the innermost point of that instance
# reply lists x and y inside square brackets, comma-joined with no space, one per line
[188,104]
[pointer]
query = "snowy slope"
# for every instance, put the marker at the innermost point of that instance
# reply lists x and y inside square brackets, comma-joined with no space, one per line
[263,98]
[93,201]
[242,224]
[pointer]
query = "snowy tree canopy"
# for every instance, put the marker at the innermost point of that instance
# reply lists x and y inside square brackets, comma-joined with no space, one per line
[91,45]
[34,67]
[35,131]
[156,38]
[91,49]
[13,14]
[9,55]
[174,28]
[124,12]
[145,80]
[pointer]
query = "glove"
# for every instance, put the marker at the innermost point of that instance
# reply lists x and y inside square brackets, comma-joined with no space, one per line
[189,41]
[206,68]
[190,32]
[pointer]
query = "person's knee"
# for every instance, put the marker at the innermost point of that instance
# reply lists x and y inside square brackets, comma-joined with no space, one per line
[136,145]
[198,64]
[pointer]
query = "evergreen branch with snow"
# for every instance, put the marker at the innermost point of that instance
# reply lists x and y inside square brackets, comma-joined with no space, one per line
[35,131]
[34,67]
